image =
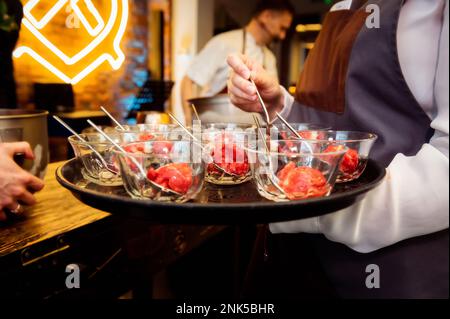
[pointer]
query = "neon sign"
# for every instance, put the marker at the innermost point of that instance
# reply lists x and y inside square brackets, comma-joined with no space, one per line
[72,68]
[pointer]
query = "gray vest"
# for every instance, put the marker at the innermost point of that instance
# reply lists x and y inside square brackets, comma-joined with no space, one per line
[378,100]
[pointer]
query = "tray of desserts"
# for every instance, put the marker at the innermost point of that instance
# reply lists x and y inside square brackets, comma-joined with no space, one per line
[222,176]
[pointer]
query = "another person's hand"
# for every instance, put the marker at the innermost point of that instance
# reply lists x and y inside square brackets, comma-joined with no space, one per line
[16,185]
[243,93]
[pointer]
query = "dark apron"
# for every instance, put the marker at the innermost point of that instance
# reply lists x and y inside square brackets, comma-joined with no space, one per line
[352,80]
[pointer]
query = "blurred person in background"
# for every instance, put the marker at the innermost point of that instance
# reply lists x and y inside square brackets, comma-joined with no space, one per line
[207,75]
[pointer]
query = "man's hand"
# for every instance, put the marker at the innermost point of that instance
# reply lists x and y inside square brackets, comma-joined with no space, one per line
[243,93]
[16,185]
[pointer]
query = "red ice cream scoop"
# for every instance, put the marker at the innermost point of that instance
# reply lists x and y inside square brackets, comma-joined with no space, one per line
[176,176]
[230,158]
[350,161]
[302,182]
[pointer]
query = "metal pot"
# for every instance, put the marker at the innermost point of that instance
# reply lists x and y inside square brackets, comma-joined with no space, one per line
[219,109]
[29,126]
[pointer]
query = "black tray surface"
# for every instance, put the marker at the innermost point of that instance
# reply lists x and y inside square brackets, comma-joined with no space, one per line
[216,204]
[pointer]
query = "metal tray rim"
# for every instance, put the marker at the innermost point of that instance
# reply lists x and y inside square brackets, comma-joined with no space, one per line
[252,205]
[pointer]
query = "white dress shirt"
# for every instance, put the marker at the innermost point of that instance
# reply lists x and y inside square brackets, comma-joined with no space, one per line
[209,68]
[413,200]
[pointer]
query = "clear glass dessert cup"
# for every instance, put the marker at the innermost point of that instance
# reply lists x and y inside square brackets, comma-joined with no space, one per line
[163,170]
[358,144]
[148,132]
[100,165]
[294,169]
[227,160]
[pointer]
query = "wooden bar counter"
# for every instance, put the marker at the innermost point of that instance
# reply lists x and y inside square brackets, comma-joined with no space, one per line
[56,212]
[113,254]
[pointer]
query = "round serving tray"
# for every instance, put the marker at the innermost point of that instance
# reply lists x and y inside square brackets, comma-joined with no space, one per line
[216,204]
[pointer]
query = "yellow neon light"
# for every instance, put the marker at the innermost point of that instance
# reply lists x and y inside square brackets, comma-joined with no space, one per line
[57,7]
[33,26]
[67,60]
[50,14]
[100,23]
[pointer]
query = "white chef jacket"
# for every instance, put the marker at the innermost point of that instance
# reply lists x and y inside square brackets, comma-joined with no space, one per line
[209,68]
[413,200]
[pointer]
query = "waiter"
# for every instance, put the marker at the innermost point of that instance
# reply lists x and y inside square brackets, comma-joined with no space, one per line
[270,22]
[8,39]
[391,80]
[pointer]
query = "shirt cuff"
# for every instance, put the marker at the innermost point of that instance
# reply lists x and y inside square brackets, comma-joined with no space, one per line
[288,102]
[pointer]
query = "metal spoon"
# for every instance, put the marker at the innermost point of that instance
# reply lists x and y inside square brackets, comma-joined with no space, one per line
[266,112]
[288,126]
[271,174]
[100,157]
[112,118]
[195,112]
[201,146]
[135,162]
[293,130]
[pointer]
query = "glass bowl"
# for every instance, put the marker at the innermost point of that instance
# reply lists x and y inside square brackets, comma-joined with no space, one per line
[164,170]
[107,129]
[210,130]
[286,133]
[146,128]
[294,169]
[225,127]
[227,160]
[355,160]
[100,165]
[148,132]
